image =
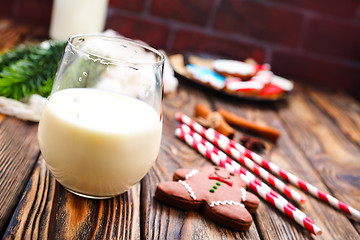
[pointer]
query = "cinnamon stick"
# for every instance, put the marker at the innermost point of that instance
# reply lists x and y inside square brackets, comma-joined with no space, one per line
[222,126]
[263,131]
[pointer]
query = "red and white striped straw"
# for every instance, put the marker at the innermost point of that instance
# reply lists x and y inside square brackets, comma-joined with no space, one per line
[224,158]
[271,179]
[207,149]
[226,143]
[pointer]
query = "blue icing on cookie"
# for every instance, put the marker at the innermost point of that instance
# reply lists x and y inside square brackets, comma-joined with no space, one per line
[206,75]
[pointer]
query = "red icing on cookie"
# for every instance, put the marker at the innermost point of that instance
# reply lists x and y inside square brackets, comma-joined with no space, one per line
[262,67]
[237,85]
[271,89]
[220,179]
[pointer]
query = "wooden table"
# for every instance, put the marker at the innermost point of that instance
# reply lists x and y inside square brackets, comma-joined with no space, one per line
[320,143]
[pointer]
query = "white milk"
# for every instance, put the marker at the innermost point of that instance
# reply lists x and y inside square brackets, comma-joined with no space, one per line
[98,143]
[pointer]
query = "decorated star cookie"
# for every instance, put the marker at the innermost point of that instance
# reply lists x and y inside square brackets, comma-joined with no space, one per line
[219,194]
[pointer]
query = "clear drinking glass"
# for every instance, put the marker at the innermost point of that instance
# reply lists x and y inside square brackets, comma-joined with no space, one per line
[100,131]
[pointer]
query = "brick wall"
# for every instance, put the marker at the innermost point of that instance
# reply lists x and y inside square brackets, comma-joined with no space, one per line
[36,11]
[317,41]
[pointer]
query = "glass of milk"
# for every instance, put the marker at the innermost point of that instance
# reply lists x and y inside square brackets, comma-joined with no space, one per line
[100,131]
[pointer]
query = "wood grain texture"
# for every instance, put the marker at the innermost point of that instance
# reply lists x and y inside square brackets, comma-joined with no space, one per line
[341,109]
[332,158]
[2,117]
[18,154]
[13,33]
[48,211]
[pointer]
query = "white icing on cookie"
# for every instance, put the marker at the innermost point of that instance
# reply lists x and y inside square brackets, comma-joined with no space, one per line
[188,188]
[282,83]
[238,85]
[263,77]
[243,194]
[226,202]
[234,67]
[191,174]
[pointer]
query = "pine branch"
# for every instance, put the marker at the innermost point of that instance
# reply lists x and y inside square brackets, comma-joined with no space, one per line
[29,70]
[17,53]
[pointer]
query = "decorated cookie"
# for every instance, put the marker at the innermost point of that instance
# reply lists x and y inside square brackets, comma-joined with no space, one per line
[282,83]
[262,67]
[264,77]
[234,68]
[264,84]
[271,91]
[252,86]
[276,88]
[206,76]
[219,194]
[234,85]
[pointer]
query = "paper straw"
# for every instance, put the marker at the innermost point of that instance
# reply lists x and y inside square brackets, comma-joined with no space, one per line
[207,150]
[224,158]
[226,143]
[271,179]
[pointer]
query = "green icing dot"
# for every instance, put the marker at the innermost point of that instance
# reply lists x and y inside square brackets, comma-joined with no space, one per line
[215,187]
[218,183]
[212,190]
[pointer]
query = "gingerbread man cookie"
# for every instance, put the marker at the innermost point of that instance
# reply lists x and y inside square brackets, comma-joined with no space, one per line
[219,194]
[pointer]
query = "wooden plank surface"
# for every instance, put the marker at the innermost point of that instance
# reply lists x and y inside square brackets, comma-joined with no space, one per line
[13,33]
[48,211]
[18,139]
[18,153]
